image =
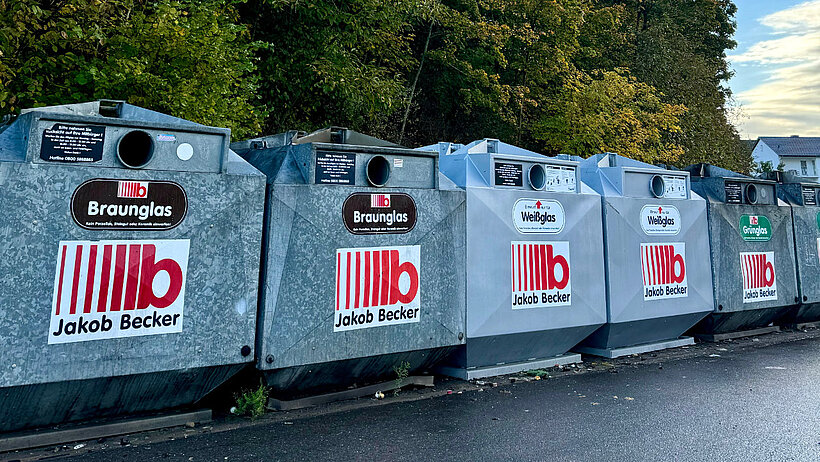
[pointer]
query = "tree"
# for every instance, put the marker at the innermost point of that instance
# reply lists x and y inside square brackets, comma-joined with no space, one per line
[334,63]
[680,49]
[183,57]
[613,112]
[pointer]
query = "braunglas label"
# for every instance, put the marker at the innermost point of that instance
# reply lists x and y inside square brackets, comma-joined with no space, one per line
[540,275]
[664,271]
[113,289]
[759,278]
[129,205]
[377,286]
[533,216]
[661,220]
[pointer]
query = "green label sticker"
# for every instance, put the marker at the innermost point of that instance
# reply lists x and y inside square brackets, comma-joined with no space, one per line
[756,228]
[818,220]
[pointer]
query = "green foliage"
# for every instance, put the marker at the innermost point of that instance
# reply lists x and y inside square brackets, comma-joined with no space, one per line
[645,78]
[184,57]
[613,112]
[402,371]
[680,49]
[328,62]
[764,167]
[252,402]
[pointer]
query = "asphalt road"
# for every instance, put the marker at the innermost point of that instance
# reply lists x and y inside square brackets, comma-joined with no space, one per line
[757,404]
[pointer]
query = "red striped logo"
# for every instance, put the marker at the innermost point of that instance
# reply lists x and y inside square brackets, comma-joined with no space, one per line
[380,201]
[759,278]
[132,189]
[540,274]
[377,286]
[663,267]
[98,282]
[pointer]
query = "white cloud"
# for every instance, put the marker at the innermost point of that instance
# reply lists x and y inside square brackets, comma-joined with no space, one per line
[788,49]
[788,101]
[799,18]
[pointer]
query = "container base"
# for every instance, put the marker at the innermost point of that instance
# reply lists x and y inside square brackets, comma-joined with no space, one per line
[46,404]
[310,401]
[35,439]
[736,334]
[504,369]
[803,325]
[635,349]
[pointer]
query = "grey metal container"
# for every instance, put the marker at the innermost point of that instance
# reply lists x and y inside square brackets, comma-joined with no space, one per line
[753,259]
[803,198]
[659,281]
[363,261]
[122,289]
[535,273]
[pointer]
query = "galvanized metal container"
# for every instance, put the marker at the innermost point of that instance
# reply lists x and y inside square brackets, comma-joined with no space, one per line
[535,273]
[363,259]
[659,280]
[753,257]
[804,199]
[124,289]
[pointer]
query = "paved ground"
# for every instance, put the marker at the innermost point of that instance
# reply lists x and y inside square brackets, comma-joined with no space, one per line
[750,400]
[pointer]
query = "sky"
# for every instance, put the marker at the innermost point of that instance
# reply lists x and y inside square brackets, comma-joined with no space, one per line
[776,85]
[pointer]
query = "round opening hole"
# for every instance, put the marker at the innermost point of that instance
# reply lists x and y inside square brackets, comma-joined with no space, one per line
[751,194]
[378,171]
[538,178]
[135,149]
[657,186]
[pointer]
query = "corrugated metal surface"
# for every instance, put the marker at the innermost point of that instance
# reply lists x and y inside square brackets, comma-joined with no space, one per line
[302,344]
[222,229]
[742,268]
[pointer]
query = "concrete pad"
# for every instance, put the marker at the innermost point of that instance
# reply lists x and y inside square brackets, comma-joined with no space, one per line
[509,368]
[635,349]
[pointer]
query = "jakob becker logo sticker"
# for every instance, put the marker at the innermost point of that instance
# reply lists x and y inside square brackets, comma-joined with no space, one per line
[113,289]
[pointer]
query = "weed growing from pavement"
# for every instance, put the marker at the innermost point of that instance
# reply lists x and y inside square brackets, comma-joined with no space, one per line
[402,371]
[252,402]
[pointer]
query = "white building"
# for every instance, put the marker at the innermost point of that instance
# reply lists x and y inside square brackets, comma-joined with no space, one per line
[799,155]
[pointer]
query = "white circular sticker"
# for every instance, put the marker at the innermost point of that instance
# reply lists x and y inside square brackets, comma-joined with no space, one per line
[185,151]
[537,216]
[660,219]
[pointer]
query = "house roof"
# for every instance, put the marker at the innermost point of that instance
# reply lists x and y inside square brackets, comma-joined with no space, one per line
[749,144]
[793,146]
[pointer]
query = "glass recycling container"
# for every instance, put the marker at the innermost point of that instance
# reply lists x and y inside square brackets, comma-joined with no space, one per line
[659,280]
[753,257]
[363,260]
[535,273]
[804,199]
[130,256]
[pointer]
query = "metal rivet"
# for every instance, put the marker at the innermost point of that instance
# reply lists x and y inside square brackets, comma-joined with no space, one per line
[461,335]
[246,350]
[269,359]
[805,298]
[720,307]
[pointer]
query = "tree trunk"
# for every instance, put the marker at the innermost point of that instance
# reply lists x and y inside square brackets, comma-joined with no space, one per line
[415,82]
